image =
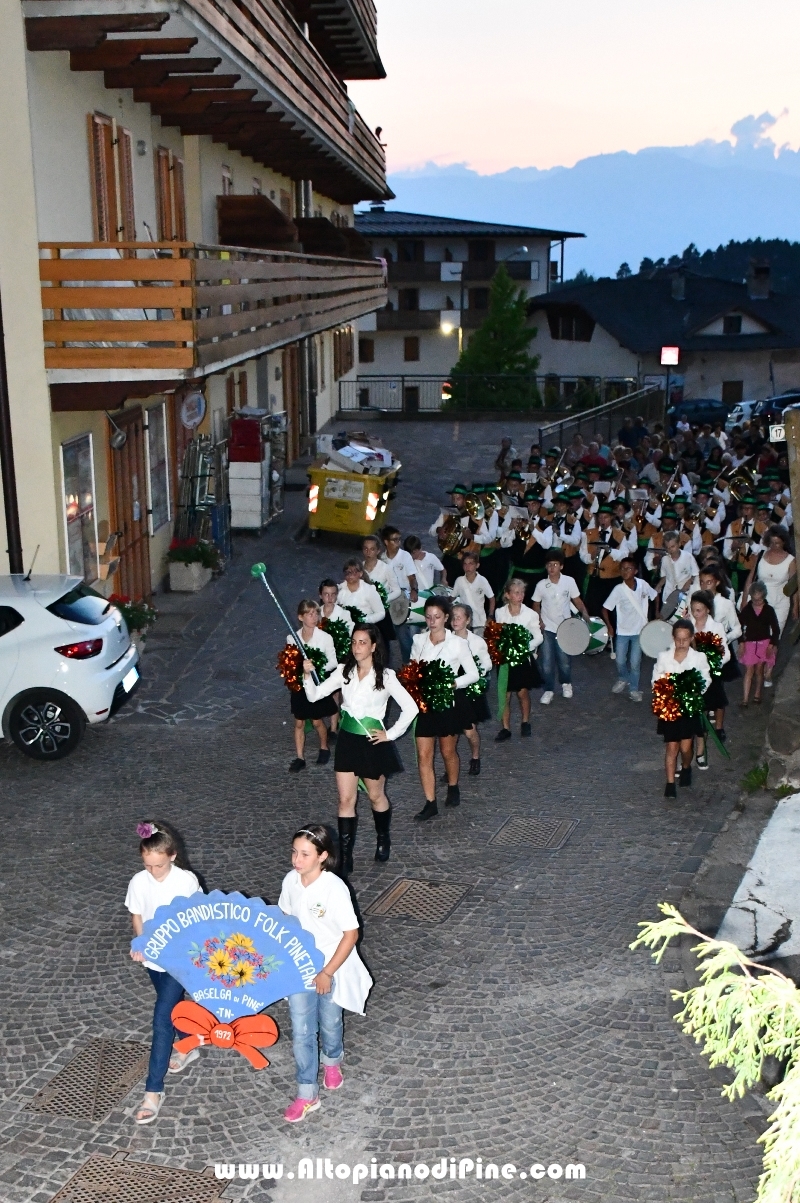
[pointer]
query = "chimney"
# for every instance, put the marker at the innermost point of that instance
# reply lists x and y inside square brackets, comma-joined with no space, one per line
[377,207]
[758,280]
[678,283]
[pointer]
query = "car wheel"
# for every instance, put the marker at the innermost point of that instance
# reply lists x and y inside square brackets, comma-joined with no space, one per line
[46,724]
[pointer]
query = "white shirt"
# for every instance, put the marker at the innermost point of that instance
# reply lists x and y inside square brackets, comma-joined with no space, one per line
[716,628]
[667,664]
[681,574]
[526,618]
[145,894]
[323,641]
[402,565]
[425,569]
[725,614]
[361,699]
[384,575]
[462,518]
[617,553]
[555,599]
[631,606]
[474,593]
[365,598]
[747,529]
[479,650]
[337,614]
[324,909]
[452,651]
[487,531]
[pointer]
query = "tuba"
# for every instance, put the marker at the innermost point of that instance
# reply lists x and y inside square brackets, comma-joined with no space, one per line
[474,507]
[451,536]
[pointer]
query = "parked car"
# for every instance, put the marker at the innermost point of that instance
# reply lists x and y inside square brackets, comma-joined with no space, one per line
[740,414]
[698,411]
[769,410]
[66,659]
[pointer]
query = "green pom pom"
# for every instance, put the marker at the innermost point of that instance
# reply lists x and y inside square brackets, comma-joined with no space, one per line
[689,690]
[514,643]
[438,685]
[318,659]
[479,687]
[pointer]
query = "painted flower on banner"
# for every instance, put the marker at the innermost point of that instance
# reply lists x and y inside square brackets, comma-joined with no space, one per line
[232,960]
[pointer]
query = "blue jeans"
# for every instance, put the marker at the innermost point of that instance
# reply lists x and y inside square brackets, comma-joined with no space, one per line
[314,1013]
[551,658]
[405,633]
[168,993]
[629,659]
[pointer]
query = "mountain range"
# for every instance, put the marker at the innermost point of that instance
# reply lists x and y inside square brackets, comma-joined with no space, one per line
[650,203]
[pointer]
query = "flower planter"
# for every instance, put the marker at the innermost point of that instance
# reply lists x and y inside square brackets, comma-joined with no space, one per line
[139,641]
[188,578]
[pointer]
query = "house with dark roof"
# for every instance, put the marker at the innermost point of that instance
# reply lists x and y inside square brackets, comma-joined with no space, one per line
[736,340]
[439,273]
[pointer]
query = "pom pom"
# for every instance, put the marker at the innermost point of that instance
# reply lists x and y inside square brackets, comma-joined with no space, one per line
[337,629]
[479,687]
[145,830]
[356,614]
[438,685]
[665,705]
[382,594]
[410,677]
[710,644]
[290,667]
[491,634]
[679,695]
[514,642]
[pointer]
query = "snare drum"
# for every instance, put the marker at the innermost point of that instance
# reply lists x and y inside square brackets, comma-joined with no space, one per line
[573,636]
[598,637]
[655,638]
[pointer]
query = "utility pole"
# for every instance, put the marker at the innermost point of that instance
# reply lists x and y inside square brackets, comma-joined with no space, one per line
[791,420]
[7,464]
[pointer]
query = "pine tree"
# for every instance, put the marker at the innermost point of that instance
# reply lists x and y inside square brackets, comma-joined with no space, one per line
[495,370]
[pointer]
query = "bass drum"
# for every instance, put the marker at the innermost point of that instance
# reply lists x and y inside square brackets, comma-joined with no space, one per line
[573,636]
[655,638]
[598,637]
[398,609]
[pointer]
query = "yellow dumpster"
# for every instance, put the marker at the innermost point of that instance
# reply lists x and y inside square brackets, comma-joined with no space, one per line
[352,503]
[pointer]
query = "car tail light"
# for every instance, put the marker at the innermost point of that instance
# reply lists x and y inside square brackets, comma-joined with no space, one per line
[81,651]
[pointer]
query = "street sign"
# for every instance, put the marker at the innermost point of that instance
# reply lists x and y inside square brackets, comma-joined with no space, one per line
[777,433]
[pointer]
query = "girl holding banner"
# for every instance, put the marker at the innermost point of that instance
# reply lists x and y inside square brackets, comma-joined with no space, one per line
[365,748]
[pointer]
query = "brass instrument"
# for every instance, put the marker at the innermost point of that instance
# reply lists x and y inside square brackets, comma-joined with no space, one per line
[492,501]
[451,536]
[741,483]
[474,507]
[666,493]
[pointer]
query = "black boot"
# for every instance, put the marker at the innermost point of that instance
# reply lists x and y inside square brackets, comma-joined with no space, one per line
[475,768]
[685,777]
[453,796]
[669,790]
[347,841]
[429,811]
[383,823]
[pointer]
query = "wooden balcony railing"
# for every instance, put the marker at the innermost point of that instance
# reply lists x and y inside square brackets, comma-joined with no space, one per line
[184,308]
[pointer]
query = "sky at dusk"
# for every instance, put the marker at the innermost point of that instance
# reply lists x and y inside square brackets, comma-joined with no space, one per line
[520,83]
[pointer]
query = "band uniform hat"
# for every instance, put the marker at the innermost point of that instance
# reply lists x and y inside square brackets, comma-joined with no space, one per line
[771,474]
[667,465]
[514,476]
[605,509]
[610,473]
[594,468]
[553,453]
[461,490]
[532,495]
[763,490]
[749,499]
[669,514]
[572,493]
[680,499]
[704,486]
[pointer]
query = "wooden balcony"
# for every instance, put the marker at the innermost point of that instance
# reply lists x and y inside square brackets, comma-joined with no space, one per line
[428,271]
[408,319]
[183,310]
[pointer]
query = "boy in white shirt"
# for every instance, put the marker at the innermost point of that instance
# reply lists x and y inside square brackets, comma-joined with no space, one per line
[631,600]
[475,590]
[426,565]
[553,600]
[401,564]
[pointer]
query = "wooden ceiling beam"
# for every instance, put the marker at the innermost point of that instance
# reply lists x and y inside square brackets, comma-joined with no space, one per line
[123,52]
[151,75]
[182,85]
[76,33]
[199,102]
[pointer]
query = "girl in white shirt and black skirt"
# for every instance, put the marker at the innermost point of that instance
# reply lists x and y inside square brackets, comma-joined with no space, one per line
[680,733]
[460,621]
[364,749]
[302,709]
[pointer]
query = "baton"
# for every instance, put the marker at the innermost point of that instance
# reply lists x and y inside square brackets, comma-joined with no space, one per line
[259,571]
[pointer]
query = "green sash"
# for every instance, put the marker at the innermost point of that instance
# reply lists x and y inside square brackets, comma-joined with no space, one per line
[711,731]
[359,726]
[528,571]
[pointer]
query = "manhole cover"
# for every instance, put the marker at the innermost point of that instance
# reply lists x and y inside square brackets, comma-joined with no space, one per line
[430,901]
[549,834]
[94,1081]
[137,1182]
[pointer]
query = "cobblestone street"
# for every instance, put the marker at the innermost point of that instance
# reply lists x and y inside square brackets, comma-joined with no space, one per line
[520,1028]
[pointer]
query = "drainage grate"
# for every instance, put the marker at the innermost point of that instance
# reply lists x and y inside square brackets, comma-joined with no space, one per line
[137,1182]
[94,1081]
[548,834]
[431,901]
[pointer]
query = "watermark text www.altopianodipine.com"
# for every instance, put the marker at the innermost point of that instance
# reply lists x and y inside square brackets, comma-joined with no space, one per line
[320,1169]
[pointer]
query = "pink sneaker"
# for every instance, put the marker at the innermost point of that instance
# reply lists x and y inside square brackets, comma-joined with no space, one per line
[299,1109]
[332,1078]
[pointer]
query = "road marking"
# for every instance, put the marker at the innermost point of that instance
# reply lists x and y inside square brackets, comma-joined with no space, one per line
[456,427]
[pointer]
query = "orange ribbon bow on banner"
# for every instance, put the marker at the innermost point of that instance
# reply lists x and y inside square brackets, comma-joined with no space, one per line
[246,1034]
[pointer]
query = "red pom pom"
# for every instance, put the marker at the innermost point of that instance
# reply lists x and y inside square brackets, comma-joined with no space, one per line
[290,667]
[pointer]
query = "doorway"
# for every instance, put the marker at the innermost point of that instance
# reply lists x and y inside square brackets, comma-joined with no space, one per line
[130,501]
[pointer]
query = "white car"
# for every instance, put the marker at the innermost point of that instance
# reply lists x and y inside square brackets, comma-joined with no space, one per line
[66,659]
[741,412]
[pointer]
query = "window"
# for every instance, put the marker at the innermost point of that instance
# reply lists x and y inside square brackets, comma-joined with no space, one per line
[410,251]
[170,196]
[158,498]
[481,251]
[112,180]
[732,323]
[411,349]
[343,351]
[732,391]
[230,393]
[10,619]
[366,350]
[286,203]
[570,324]
[321,380]
[80,521]
[227,180]
[479,298]
[242,390]
[408,299]
[83,605]
[554,272]
[257,189]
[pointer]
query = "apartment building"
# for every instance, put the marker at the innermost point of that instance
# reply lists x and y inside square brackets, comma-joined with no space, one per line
[176,242]
[439,272]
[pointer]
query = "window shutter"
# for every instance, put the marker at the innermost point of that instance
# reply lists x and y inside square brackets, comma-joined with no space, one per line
[104,193]
[178,200]
[163,194]
[126,229]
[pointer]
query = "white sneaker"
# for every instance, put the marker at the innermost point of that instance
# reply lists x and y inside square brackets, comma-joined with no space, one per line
[619,686]
[768,684]
[566,691]
[636,695]
[546,697]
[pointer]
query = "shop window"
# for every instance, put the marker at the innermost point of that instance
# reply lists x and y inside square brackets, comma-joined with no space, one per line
[411,349]
[158,495]
[80,519]
[112,180]
[366,350]
[732,391]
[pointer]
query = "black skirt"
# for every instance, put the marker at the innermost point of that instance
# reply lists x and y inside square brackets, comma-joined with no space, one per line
[524,676]
[439,722]
[302,708]
[356,754]
[465,710]
[731,671]
[386,628]
[480,708]
[681,728]
[715,697]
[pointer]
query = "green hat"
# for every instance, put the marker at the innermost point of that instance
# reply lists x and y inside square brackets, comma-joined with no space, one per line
[748,500]
[610,473]
[532,495]
[563,496]
[593,468]
[605,509]
[514,476]
[704,486]
[669,514]
[581,474]
[763,490]
[573,493]
[461,490]
[667,465]
[553,453]
[771,474]
[680,499]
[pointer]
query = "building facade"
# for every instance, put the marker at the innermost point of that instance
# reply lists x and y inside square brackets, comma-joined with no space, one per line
[440,270]
[176,243]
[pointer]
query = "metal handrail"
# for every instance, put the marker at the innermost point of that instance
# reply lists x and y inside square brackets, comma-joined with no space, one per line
[599,411]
